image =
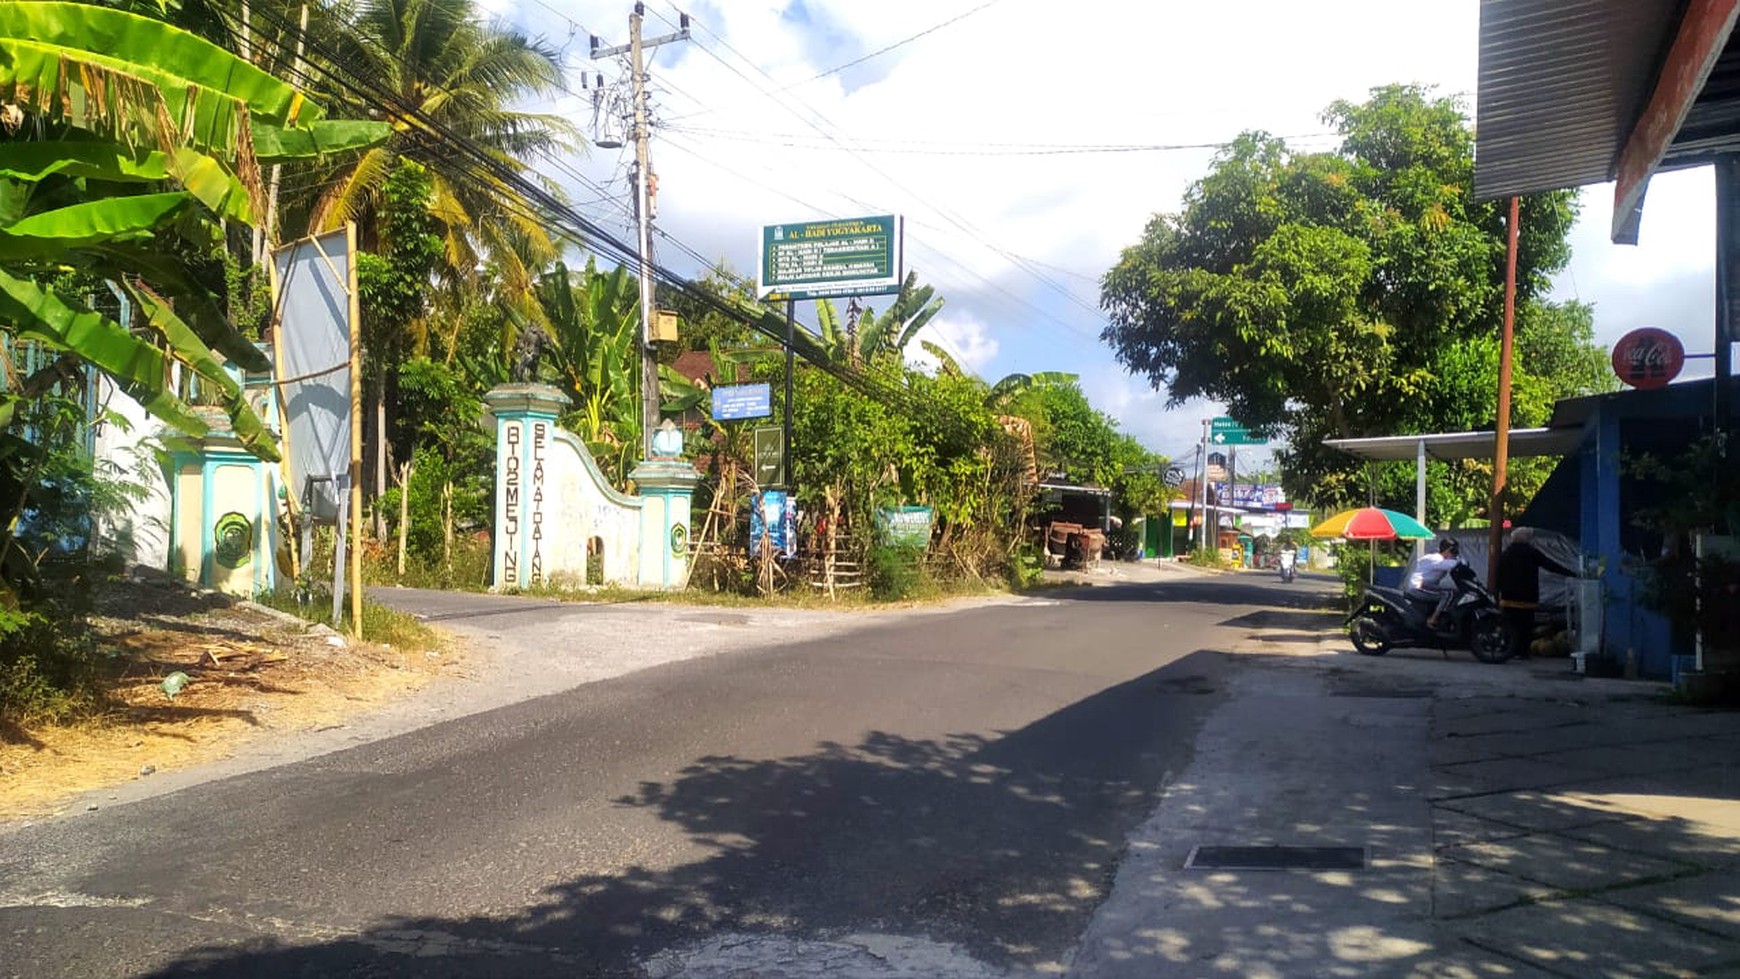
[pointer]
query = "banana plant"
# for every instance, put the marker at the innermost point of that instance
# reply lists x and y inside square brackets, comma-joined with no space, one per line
[889,334]
[877,338]
[127,140]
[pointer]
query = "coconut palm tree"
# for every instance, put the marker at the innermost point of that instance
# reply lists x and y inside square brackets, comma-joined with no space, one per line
[441,65]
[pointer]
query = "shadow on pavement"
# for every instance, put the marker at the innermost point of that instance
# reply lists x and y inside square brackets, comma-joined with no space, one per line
[1002,846]
[1589,837]
[1005,846]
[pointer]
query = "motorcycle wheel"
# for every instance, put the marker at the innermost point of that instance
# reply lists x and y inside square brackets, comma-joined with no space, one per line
[1368,636]
[1491,641]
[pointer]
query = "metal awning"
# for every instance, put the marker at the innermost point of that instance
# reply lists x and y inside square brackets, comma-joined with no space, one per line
[1457,445]
[1461,445]
[1562,83]
[1576,92]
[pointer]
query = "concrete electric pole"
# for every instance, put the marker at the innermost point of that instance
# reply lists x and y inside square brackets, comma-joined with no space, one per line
[643,195]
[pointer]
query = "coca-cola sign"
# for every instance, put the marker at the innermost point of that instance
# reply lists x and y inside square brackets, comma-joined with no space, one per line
[1648,358]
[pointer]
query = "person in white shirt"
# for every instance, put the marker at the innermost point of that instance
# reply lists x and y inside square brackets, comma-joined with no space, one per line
[1431,578]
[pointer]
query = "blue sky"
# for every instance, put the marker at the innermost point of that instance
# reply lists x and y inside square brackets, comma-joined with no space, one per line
[1019,140]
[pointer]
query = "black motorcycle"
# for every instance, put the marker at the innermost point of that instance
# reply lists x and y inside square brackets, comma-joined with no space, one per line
[1389,618]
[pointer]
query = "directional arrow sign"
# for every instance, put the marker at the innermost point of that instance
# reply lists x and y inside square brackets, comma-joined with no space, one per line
[1225,431]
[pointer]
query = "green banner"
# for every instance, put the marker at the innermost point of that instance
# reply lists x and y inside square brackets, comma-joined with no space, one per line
[905,526]
[845,257]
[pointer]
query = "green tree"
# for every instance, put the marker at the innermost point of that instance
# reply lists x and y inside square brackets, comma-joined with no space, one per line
[393,296]
[1356,292]
[128,144]
[443,66]
[594,357]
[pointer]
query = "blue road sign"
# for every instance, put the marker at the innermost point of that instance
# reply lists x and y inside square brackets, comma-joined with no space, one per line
[735,401]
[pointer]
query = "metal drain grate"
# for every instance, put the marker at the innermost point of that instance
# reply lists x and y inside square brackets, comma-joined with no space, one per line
[1277,858]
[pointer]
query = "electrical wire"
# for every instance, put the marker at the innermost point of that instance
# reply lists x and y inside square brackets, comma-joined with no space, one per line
[897,44]
[570,225]
[964,226]
[937,148]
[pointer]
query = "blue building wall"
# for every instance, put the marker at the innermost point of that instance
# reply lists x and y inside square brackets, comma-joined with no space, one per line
[1618,428]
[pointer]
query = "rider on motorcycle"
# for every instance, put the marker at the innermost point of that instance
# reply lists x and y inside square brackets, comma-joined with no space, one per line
[1431,579]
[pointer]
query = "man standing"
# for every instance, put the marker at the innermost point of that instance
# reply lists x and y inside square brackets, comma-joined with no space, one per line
[1519,584]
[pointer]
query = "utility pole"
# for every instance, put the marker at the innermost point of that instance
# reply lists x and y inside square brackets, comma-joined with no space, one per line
[1203,489]
[643,198]
[1501,439]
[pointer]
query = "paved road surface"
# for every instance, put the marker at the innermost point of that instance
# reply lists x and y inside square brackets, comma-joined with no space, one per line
[966,779]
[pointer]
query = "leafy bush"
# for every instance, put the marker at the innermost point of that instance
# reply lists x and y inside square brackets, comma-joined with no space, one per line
[49,670]
[1207,557]
[896,573]
[1028,567]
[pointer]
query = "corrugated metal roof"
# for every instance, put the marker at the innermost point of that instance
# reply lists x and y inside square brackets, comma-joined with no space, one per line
[1462,445]
[1562,83]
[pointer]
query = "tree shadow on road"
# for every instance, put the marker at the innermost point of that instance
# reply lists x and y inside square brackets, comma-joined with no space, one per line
[1001,846]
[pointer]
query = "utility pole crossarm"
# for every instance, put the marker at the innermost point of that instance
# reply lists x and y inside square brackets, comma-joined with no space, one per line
[645,42]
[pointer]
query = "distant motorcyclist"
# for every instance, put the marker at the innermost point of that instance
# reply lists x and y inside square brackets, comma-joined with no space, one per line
[1431,579]
[1289,558]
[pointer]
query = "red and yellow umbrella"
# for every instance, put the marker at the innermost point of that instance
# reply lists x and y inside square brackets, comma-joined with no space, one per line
[1371,523]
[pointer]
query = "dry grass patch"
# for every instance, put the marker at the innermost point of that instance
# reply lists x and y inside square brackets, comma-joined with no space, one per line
[251,675]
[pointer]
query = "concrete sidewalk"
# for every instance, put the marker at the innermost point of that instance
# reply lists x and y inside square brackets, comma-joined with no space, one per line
[1521,821]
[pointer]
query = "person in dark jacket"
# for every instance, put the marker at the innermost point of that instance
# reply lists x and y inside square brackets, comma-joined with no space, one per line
[1519,584]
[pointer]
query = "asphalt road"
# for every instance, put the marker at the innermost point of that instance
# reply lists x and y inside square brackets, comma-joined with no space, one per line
[970,776]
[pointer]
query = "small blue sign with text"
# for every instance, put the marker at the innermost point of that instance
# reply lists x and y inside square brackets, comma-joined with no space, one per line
[742,401]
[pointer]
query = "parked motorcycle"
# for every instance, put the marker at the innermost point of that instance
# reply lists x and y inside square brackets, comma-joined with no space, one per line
[1389,618]
[1286,564]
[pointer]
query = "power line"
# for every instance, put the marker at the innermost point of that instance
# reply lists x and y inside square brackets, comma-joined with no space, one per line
[537,203]
[937,148]
[974,234]
[942,256]
[900,43]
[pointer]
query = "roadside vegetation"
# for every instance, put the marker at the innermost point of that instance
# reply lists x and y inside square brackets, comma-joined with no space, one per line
[1357,292]
[1349,292]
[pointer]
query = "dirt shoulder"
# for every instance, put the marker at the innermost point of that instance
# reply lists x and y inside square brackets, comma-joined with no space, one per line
[253,674]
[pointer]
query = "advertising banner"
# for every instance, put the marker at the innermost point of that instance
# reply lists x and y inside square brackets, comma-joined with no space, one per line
[905,526]
[313,346]
[778,510]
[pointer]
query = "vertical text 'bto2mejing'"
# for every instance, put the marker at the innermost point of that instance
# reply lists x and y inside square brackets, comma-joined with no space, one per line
[510,504]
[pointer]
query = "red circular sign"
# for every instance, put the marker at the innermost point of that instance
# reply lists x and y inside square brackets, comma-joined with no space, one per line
[1648,358]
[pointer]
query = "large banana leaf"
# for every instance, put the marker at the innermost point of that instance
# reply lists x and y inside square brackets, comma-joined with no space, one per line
[273,144]
[139,368]
[155,50]
[204,176]
[51,233]
[129,103]
[246,425]
[39,159]
[193,303]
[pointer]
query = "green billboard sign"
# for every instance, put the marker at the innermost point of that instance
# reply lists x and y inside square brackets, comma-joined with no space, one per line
[844,257]
[769,457]
[1225,431]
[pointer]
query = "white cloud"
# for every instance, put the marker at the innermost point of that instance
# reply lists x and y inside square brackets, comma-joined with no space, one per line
[962,336]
